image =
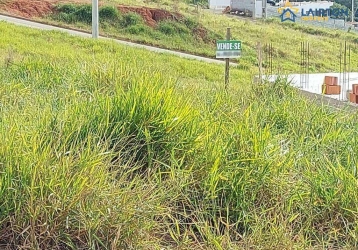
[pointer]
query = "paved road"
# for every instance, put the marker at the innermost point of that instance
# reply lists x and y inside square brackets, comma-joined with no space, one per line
[41,26]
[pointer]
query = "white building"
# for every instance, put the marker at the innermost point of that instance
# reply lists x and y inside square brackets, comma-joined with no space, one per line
[310,5]
[219,4]
[254,7]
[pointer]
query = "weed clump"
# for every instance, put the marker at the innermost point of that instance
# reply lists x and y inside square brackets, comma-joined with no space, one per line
[108,13]
[138,29]
[73,13]
[130,19]
[172,28]
[191,23]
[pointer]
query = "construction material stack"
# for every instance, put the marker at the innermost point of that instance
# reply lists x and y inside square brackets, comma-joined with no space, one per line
[330,86]
[353,95]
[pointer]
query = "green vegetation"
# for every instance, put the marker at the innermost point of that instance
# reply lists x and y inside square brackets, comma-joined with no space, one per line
[285,37]
[110,147]
[186,35]
[180,34]
[343,9]
[346,3]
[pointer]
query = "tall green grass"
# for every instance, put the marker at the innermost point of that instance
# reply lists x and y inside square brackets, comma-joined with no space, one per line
[110,147]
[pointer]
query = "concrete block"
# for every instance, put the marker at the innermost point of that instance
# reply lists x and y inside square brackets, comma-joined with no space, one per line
[355,88]
[352,97]
[331,89]
[330,80]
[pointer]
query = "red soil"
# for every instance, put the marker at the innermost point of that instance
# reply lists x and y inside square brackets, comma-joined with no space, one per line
[151,16]
[41,8]
[28,8]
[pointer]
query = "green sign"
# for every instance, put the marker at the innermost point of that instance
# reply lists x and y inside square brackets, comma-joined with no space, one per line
[228,49]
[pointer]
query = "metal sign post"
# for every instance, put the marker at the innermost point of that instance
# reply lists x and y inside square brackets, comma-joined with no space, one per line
[227,62]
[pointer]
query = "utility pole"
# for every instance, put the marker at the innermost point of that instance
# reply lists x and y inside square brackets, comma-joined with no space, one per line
[95,18]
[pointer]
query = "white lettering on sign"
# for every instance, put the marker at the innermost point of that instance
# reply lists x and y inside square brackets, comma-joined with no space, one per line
[237,46]
[229,46]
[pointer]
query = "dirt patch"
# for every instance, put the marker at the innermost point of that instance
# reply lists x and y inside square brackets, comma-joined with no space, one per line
[34,8]
[41,8]
[201,32]
[29,8]
[152,16]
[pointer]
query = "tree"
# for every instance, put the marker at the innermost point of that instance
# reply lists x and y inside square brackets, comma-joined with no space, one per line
[341,7]
[346,3]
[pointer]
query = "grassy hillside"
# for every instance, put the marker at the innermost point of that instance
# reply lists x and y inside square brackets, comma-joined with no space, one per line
[197,31]
[110,147]
[285,38]
[166,29]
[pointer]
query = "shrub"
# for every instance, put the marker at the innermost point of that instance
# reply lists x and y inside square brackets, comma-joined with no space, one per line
[67,18]
[108,13]
[130,19]
[84,13]
[71,13]
[171,28]
[166,28]
[67,8]
[137,29]
[190,23]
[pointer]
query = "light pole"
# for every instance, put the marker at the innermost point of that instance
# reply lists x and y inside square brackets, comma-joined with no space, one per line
[353,11]
[95,17]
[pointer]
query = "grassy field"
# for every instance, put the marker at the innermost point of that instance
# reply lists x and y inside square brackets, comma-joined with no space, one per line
[110,147]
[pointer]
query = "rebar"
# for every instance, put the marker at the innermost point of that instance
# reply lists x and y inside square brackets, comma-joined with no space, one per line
[344,83]
[340,64]
[308,65]
[268,59]
[305,60]
[349,68]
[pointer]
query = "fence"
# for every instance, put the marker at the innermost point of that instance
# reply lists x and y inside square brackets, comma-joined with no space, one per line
[302,76]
